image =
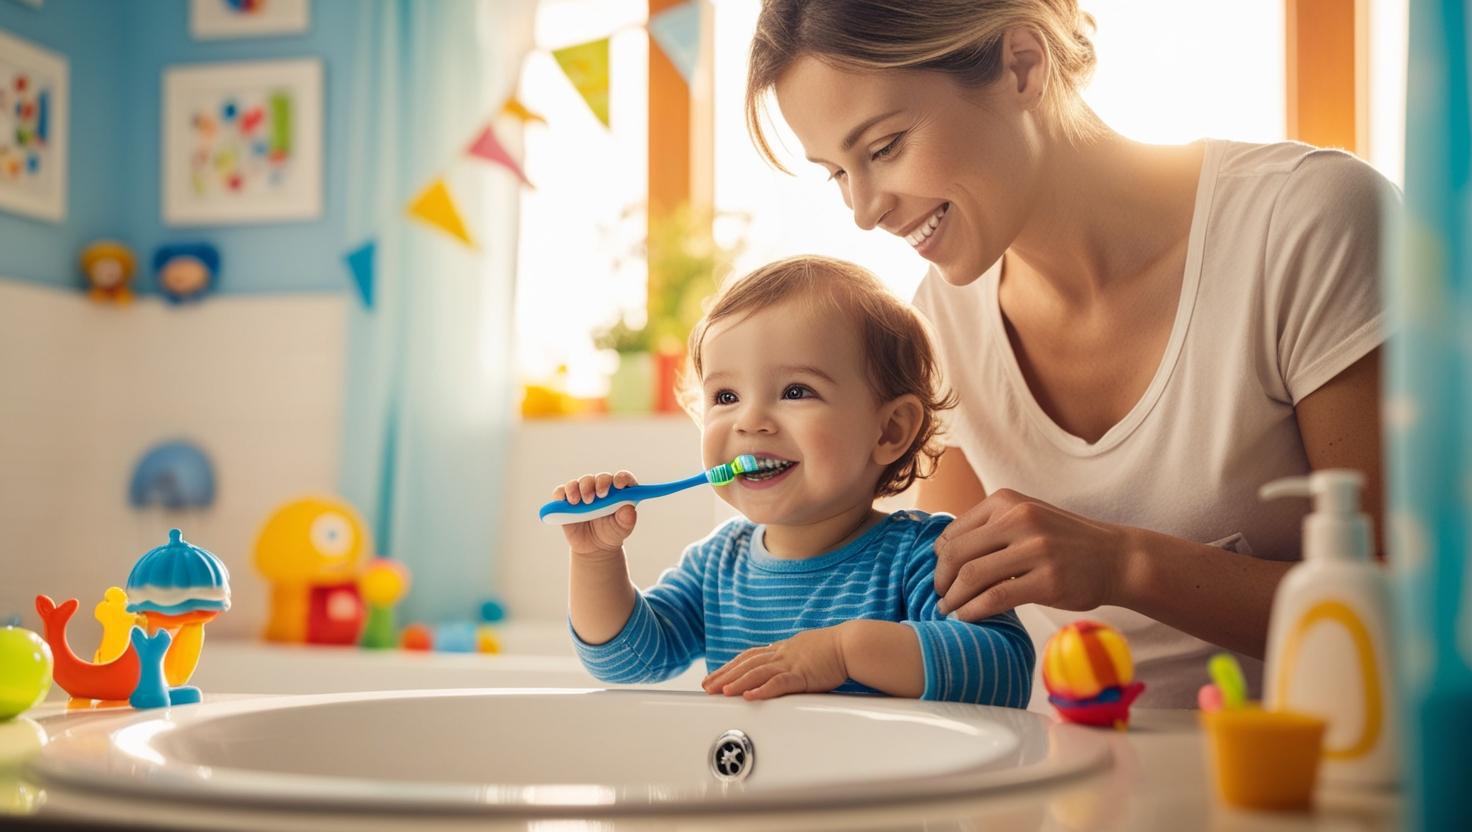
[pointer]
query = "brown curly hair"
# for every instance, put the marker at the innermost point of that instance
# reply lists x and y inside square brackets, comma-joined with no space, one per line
[897,345]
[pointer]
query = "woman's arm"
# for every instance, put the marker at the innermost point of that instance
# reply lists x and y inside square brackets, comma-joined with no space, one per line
[1341,428]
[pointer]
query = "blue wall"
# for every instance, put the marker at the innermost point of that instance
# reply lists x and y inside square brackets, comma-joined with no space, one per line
[118,50]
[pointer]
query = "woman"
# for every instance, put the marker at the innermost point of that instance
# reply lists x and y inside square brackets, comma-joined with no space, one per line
[1140,336]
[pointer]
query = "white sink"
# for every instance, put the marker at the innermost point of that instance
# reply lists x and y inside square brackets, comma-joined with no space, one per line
[541,751]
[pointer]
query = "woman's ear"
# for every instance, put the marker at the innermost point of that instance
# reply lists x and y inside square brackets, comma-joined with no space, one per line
[899,422]
[1025,65]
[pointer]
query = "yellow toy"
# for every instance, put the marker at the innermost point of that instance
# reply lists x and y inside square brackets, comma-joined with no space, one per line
[108,266]
[486,640]
[311,551]
[383,583]
[1089,674]
[112,613]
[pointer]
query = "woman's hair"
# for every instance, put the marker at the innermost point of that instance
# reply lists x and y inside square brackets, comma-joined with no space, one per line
[962,38]
[897,347]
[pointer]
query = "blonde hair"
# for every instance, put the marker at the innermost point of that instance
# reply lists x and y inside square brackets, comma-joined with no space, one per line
[962,38]
[897,346]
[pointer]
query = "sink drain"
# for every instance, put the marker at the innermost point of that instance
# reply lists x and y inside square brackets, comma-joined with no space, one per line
[732,757]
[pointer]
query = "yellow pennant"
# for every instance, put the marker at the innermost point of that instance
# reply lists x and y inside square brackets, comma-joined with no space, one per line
[586,66]
[435,206]
[519,111]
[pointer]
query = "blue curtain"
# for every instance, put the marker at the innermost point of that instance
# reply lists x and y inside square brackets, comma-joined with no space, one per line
[1430,391]
[428,401]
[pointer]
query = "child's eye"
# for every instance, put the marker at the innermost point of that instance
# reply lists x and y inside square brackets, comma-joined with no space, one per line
[797,391]
[724,397]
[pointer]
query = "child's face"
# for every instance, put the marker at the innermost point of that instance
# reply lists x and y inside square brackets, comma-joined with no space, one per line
[789,382]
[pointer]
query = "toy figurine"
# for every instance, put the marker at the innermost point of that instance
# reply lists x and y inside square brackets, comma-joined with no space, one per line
[384,582]
[311,551]
[186,271]
[108,267]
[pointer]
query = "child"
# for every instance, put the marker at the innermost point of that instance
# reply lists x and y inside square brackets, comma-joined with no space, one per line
[812,362]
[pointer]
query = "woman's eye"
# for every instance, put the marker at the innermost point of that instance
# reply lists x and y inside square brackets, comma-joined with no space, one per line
[889,149]
[724,397]
[796,391]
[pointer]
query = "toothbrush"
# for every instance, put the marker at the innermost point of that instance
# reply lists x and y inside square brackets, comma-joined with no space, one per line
[561,512]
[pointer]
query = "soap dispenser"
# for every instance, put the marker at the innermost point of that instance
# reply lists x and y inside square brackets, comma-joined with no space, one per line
[1329,636]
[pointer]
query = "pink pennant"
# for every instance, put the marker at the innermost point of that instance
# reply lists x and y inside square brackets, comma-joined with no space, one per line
[488,147]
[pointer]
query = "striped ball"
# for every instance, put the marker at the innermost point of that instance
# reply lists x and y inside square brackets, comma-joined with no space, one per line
[1084,658]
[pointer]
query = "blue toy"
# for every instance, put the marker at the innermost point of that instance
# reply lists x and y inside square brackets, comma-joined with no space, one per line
[175,475]
[561,512]
[186,271]
[455,637]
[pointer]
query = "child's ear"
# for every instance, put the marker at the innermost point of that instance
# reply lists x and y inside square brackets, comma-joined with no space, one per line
[899,421]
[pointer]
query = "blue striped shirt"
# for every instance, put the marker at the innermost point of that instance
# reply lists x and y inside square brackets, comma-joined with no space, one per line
[728,594]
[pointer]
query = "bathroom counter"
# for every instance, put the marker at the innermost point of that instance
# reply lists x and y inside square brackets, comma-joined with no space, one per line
[1158,781]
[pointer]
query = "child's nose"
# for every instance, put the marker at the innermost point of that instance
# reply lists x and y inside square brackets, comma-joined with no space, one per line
[755,420]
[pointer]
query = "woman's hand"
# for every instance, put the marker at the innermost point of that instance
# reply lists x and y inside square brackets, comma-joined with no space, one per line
[602,535]
[1010,550]
[809,662]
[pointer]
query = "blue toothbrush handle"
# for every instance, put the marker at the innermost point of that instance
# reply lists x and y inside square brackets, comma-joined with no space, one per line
[561,512]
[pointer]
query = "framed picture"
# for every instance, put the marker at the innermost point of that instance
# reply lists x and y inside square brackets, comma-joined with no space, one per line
[242,142]
[33,130]
[214,19]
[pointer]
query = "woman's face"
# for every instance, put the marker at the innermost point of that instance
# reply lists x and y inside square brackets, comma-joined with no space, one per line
[947,168]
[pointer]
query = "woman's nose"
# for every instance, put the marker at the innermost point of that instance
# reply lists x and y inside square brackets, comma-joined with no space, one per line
[870,203]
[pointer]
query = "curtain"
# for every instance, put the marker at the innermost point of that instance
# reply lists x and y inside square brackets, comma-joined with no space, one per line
[429,391]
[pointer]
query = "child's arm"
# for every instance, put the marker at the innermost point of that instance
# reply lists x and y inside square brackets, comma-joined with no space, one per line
[929,656]
[600,595]
[620,634]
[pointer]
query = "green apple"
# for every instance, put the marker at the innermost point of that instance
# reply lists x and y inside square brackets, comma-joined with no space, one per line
[25,670]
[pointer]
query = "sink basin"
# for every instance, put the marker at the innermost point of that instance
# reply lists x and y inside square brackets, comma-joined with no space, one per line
[558,750]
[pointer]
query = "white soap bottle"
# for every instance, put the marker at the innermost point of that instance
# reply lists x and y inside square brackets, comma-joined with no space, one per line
[1329,637]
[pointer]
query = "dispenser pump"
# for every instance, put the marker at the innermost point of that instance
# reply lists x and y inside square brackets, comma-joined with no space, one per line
[1336,529]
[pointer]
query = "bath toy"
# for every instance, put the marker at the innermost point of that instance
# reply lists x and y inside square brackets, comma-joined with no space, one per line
[310,550]
[112,613]
[106,682]
[186,271]
[108,266]
[383,583]
[179,587]
[455,637]
[416,637]
[491,611]
[561,512]
[154,689]
[175,475]
[25,671]
[486,640]
[1089,674]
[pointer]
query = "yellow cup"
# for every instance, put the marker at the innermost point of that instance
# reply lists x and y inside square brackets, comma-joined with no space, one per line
[1264,759]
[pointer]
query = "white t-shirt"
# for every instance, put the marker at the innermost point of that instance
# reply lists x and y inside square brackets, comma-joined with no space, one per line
[1281,293]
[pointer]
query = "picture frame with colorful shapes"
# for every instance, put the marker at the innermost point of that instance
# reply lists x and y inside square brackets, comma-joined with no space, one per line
[242,142]
[34,106]
[220,19]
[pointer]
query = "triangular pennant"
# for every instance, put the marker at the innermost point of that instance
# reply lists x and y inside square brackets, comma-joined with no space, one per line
[677,31]
[360,262]
[434,206]
[519,111]
[586,66]
[488,147]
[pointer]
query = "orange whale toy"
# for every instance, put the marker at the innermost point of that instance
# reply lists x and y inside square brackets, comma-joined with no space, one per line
[112,681]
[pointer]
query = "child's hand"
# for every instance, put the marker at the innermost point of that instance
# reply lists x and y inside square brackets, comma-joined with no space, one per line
[809,662]
[603,534]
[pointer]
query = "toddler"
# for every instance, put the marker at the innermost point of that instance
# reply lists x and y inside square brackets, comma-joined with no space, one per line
[813,363]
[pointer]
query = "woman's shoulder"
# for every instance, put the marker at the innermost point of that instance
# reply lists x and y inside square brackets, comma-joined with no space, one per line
[1301,178]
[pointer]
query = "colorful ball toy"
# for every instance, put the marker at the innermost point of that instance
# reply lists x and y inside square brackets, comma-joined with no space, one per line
[1089,674]
[25,671]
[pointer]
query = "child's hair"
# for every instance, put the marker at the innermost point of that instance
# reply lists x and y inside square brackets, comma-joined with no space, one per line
[897,346]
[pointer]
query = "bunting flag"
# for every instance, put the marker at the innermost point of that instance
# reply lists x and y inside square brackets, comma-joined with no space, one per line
[360,263]
[488,147]
[519,111]
[586,66]
[677,31]
[435,207]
